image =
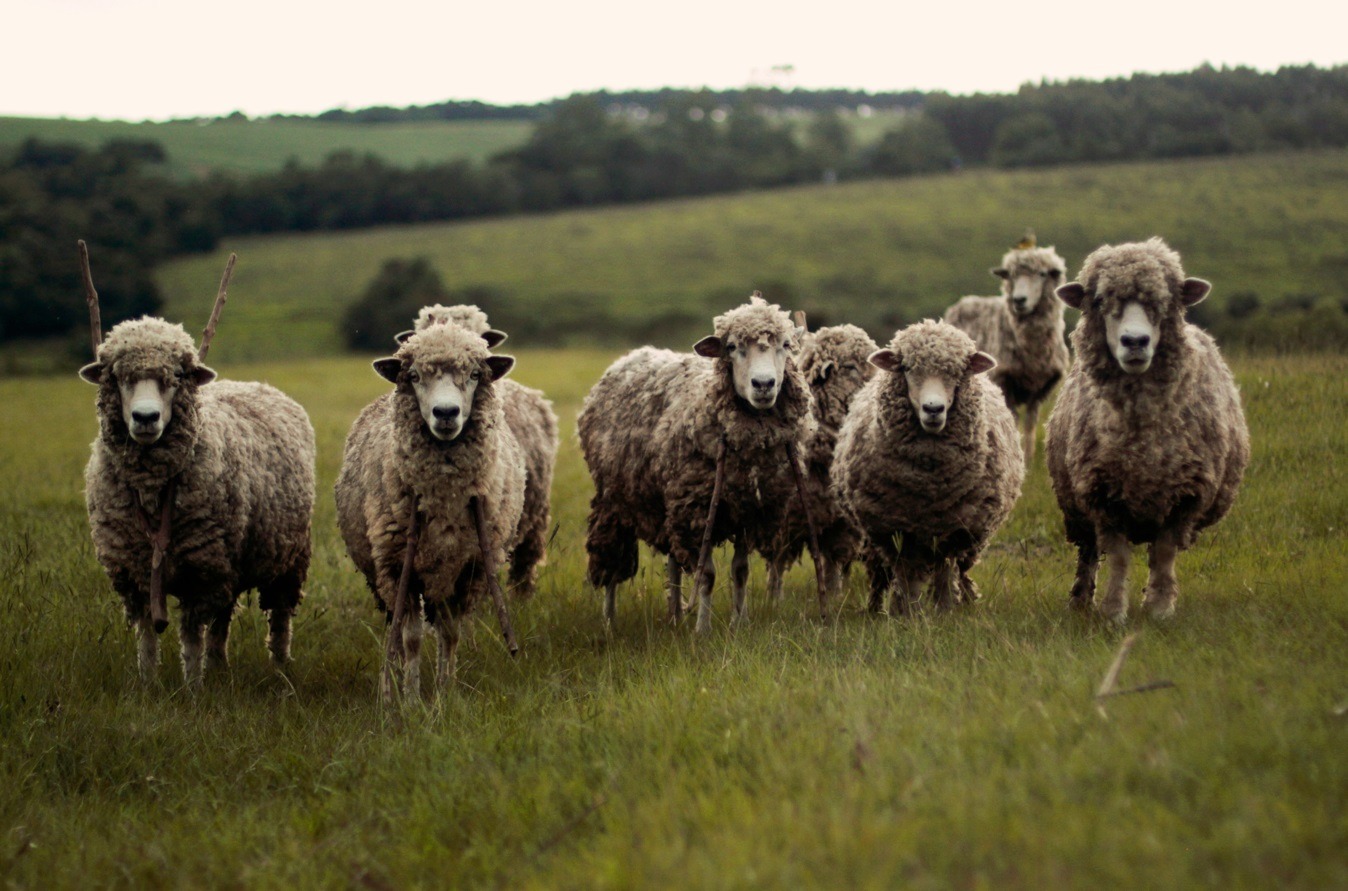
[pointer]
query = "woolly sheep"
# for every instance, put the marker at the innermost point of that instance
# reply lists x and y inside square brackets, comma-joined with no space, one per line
[1147,443]
[1023,329]
[927,463]
[438,442]
[835,364]
[651,431]
[241,460]
[530,416]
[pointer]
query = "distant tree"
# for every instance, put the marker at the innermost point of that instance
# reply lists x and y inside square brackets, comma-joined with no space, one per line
[390,301]
[918,145]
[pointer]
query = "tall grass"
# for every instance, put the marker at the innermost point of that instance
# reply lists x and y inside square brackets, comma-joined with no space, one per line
[954,750]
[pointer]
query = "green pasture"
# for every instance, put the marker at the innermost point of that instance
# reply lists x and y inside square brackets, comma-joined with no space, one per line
[197,148]
[878,253]
[959,750]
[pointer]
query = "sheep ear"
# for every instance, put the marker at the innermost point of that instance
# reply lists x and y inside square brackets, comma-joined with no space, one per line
[1000,272]
[1072,293]
[494,338]
[500,366]
[401,336]
[93,373]
[980,362]
[710,347]
[886,360]
[203,375]
[1194,290]
[389,368]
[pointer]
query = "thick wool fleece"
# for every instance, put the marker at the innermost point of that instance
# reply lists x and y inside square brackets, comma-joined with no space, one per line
[242,455]
[945,493]
[833,363]
[530,416]
[1031,352]
[650,431]
[1164,450]
[392,459]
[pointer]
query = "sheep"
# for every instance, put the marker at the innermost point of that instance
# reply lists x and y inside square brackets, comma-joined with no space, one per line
[834,362]
[225,470]
[928,464]
[1147,443]
[672,438]
[436,454]
[530,416]
[1023,329]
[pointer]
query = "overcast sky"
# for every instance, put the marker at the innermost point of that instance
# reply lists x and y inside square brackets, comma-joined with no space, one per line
[156,59]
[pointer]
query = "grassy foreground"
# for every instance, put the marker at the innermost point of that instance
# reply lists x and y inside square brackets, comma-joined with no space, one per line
[963,750]
[872,253]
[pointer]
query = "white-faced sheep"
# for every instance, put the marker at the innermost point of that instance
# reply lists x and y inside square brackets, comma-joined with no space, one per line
[234,462]
[835,364]
[1023,330]
[927,463]
[1147,443]
[432,463]
[530,416]
[654,431]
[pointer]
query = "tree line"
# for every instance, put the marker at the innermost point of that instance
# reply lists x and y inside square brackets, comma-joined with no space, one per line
[593,149]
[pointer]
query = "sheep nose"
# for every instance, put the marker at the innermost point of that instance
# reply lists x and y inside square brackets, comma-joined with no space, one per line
[1019,299]
[144,417]
[763,383]
[933,408]
[1134,341]
[445,413]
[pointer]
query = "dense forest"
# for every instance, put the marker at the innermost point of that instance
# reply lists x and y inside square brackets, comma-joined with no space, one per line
[606,148]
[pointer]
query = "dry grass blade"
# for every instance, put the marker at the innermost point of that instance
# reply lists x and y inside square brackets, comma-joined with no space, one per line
[208,334]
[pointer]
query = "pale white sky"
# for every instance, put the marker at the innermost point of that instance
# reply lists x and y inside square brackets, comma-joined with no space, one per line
[137,59]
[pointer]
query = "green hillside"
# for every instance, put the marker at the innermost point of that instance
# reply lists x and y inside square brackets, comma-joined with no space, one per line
[876,253]
[255,146]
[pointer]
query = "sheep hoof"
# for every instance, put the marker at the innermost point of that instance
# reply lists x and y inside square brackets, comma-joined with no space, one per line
[1115,614]
[1160,606]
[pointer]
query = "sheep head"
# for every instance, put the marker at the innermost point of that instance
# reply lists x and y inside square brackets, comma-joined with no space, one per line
[144,369]
[753,343]
[444,368]
[464,315]
[1029,276]
[934,360]
[1132,298]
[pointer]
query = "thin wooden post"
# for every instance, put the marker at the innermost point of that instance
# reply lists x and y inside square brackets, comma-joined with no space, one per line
[208,334]
[91,298]
[489,567]
[791,456]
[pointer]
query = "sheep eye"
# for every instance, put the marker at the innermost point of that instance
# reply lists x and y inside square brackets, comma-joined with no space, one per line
[476,375]
[414,377]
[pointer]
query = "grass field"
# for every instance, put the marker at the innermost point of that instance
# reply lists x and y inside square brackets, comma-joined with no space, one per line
[873,253]
[962,750]
[263,145]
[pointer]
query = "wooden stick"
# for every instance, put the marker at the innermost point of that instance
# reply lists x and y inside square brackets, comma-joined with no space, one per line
[814,533]
[395,639]
[704,554]
[91,298]
[208,334]
[1140,688]
[160,537]
[1112,674]
[489,566]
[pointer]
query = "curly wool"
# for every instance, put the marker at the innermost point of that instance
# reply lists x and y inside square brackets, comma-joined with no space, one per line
[833,362]
[392,460]
[531,417]
[243,458]
[650,431]
[944,494]
[1141,454]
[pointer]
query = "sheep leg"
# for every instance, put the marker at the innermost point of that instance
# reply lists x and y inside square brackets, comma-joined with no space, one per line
[1162,586]
[674,589]
[1119,553]
[879,559]
[833,577]
[278,635]
[776,569]
[706,580]
[217,640]
[488,557]
[147,647]
[393,650]
[706,573]
[1029,427]
[815,553]
[906,588]
[191,635]
[413,629]
[448,627]
[944,585]
[739,580]
[610,602]
[1088,564]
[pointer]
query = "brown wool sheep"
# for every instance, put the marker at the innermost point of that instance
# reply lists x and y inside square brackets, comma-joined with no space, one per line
[531,418]
[928,464]
[240,460]
[1147,443]
[438,441]
[835,364]
[651,430]
[1023,329]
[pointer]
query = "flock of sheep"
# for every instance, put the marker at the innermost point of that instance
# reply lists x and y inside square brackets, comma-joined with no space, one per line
[905,458]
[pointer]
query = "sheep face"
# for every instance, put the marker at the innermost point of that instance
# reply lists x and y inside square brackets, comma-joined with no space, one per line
[443,368]
[445,397]
[1025,287]
[934,359]
[757,367]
